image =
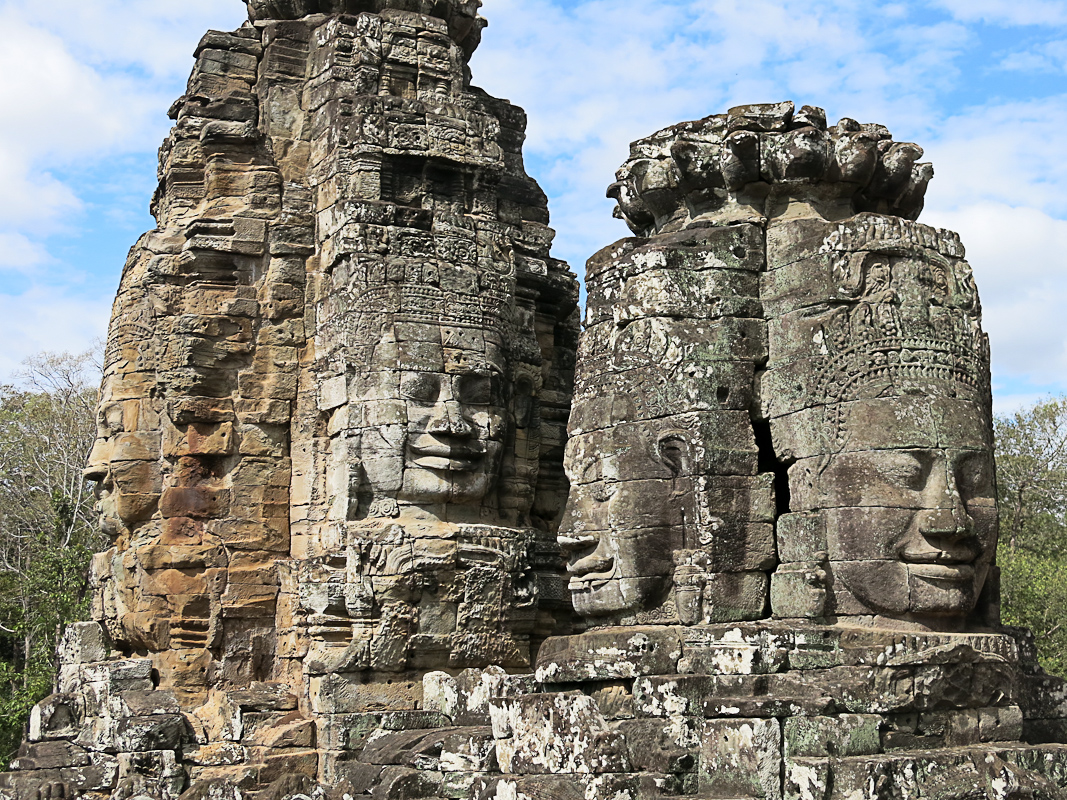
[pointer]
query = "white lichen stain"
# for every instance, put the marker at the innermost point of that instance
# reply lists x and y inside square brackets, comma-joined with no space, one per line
[441,687]
[682,733]
[504,718]
[592,792]
[656,258]
[806,781]
[480,694]
[673,704]
[547,673]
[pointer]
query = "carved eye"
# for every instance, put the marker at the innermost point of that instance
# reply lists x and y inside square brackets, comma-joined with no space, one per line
[425,387]
[905,469]
[473,389]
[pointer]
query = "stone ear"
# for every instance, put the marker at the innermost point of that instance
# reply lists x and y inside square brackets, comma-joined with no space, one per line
[674,451]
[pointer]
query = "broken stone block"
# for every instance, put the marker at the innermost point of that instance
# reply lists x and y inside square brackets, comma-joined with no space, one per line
[156,774]
[547,733]
[742,758]
[158,732]
[661,747]
[798,591]
[58,716]
[264,697]
[616,653]
[145,703]
[844,735]
[51,755]
[469,751]
[83,643]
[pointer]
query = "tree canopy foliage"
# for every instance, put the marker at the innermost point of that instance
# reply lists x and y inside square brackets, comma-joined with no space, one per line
[1032,492]
[47,526]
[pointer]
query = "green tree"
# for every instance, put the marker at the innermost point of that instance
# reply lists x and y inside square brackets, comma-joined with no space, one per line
[1032,477]
[1034,596]
[47,526]
[1031,457]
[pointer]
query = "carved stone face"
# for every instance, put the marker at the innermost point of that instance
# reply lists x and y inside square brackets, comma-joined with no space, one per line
[110,519]
[436,425]
[124,464]
[621,534]
[911,531]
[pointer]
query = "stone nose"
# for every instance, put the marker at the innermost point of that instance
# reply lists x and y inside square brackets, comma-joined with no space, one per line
[952,523]
[447,419]
[946,513]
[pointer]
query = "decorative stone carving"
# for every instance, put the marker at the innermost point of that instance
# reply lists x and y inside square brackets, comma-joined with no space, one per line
[755,161]
[782,422]
[464,24]
[889,440]
[668,518]
[443,356]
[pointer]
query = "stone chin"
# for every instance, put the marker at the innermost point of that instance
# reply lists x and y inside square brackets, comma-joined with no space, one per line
[944,590]
[108,521]
[614,596]
[902,590]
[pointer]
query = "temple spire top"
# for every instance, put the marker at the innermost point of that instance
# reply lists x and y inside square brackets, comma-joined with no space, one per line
[464,24]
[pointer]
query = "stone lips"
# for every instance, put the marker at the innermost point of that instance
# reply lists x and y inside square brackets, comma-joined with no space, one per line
[464,24]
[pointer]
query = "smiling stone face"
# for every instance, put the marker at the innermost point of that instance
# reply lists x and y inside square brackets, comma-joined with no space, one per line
[877,393]
[668,519]
[440,419]
[624,520]
[911,531]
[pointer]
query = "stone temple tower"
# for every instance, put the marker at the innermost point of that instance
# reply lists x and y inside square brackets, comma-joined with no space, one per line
[333,413]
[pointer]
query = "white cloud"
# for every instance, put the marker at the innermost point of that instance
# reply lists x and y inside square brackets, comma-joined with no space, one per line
[46,318]
[1019,257]
[596,75]
[1046,57]
[90,81]
[1008,12]
[593,75]
[18,252]
[80,84]
[31,200]
[1002,183]
[157,36]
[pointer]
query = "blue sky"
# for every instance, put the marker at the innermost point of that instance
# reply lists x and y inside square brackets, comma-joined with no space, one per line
[980,84]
